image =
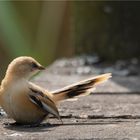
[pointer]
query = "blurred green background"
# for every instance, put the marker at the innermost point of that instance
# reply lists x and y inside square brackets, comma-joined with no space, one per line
[47,30]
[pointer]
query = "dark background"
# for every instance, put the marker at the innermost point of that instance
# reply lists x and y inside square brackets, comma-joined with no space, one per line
[48,30]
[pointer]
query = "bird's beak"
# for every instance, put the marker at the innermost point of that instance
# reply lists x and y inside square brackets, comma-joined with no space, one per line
[41,67]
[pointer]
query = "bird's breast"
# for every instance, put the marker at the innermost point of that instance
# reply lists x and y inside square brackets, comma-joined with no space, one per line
[16,103]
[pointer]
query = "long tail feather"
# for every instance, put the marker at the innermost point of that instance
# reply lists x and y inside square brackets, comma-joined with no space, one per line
[81,88]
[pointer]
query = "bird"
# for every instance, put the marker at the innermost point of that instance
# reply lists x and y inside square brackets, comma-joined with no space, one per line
[30,104]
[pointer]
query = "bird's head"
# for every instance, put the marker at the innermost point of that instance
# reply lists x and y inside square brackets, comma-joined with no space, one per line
[23,67]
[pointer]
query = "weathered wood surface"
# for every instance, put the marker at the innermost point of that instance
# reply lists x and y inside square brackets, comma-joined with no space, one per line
[112,112]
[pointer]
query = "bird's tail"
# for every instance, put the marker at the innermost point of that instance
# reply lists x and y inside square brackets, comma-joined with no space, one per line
[81,88]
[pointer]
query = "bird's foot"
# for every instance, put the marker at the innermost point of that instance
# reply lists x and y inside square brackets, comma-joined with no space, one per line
[39,125]
[12,124]
[16,124]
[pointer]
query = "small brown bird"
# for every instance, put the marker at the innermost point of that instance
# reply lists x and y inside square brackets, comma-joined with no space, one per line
[29,104]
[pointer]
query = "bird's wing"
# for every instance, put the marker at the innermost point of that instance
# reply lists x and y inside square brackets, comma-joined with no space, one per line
[43,101]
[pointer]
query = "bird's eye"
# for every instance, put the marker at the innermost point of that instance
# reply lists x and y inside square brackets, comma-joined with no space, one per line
[34,65]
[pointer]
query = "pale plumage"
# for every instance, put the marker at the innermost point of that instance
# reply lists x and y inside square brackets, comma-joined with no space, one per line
[28,103]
